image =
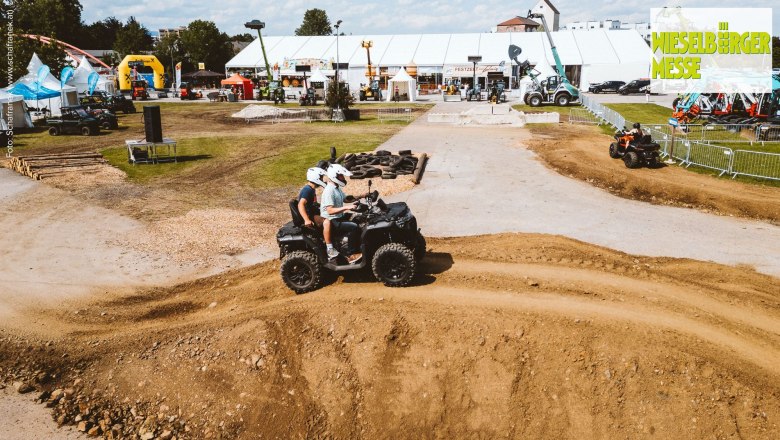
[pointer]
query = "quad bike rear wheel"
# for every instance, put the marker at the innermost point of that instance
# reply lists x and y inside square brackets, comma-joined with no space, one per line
[420,247]
[631,159]
[394,265]
[613,151]
[301,272]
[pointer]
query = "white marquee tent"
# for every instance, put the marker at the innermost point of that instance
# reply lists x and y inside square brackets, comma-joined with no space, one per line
[407,86]
[30,85]
[600,55]
[18,111]
[80,79]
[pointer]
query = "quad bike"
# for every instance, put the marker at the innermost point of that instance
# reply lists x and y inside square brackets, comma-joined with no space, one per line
[390,242]
[634,152]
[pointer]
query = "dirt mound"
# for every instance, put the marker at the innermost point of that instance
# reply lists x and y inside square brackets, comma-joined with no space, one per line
[583,155]
[513,335]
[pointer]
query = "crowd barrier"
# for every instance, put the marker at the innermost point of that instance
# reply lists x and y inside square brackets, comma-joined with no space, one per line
[696,144]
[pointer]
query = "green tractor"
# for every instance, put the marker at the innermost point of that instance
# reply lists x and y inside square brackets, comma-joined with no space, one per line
[271,91]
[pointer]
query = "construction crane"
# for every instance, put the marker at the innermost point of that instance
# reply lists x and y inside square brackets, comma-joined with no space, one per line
[555,89]
[271,89]
[372,89]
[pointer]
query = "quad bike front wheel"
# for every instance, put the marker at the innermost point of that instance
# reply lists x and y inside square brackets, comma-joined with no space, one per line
[613,151]
[394,265]
[301,272]
[631,159]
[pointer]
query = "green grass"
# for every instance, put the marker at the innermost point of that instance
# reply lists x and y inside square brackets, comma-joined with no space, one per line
[643,113]
[191,152]
[285,168]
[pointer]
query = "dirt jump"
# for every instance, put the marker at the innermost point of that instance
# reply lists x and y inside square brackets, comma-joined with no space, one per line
[545,307]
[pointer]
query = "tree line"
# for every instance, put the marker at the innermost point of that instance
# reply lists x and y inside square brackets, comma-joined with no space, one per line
[200,42]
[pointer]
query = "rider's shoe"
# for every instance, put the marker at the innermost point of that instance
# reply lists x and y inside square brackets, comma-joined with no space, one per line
[332,253]
[354,258]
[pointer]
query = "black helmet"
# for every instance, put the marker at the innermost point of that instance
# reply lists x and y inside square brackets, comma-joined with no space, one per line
[636,125]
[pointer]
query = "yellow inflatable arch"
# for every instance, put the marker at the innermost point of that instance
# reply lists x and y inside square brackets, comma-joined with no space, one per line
[126,72]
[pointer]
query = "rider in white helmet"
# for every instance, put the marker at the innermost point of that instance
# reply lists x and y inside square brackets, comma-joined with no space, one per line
[333,208]
[307,197]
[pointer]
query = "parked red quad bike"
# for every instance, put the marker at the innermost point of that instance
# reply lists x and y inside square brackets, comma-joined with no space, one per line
[635,153]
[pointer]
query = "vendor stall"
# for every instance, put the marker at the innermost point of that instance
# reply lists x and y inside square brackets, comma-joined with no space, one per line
[242,85]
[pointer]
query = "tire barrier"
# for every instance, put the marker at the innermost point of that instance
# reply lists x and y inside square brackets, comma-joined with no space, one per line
[380,163]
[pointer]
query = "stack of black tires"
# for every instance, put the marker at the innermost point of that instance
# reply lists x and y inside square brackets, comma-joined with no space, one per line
[380,163]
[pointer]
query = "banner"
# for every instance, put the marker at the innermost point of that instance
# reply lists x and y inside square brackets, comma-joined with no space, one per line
[43,72]
[178,74]
[66,74]
[92,82]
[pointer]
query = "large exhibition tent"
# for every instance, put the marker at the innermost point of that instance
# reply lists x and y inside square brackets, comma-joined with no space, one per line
[81,78]
[588,56]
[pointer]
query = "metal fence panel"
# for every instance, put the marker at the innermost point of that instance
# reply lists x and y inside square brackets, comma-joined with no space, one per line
[583,116]
[767,133]
[756,164]
[394,114]
[709,156]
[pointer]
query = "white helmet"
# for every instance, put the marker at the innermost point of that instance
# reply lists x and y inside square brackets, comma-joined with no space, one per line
[334,170]
[314,175]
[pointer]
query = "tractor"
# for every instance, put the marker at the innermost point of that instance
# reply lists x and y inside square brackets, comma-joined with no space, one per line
[555,89]
[139,91]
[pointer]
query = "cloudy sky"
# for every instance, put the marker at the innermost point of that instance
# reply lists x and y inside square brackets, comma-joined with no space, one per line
[381,16]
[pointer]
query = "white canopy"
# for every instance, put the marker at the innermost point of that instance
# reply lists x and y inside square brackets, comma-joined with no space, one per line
[19,111]
[67,94]
[406,86]
[80,79]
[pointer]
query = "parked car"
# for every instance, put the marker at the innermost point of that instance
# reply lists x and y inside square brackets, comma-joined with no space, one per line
[73,120]
[113,103]
[635,86]
[606,86]
[106,119]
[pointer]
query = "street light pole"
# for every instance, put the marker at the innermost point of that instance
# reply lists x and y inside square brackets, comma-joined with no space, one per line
[338,62]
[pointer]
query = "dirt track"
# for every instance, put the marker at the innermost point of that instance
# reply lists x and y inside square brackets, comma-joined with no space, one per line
[584,156]
[518,335]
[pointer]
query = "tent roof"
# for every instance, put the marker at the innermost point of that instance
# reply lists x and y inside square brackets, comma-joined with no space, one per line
[317,76]
[235,79]
[401,76]
[203,74]
[6,97]
[575,47]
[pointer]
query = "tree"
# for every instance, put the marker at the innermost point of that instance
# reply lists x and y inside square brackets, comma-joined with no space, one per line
[170,50]
[59,19]
[100,34]
[315,22]
[133,38]
[338,97]
[40,18]
[204,43]
[244,38]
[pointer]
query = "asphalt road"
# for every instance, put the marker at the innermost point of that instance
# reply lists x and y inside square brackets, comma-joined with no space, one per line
[482,180]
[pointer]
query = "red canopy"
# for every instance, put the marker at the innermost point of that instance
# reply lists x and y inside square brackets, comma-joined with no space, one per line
[239,81]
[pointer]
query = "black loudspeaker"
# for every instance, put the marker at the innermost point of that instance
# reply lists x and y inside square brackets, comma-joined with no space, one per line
[153,123]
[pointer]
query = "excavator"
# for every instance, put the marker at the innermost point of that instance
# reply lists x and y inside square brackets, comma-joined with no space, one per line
[555,89]
[372,90]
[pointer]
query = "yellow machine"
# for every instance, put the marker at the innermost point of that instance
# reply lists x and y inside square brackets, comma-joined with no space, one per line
[371,90]
[126,75]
